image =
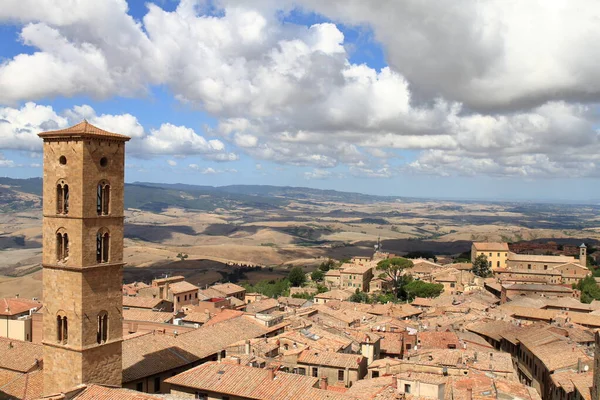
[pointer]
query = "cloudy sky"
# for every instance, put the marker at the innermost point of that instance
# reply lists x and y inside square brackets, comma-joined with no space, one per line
[471,99]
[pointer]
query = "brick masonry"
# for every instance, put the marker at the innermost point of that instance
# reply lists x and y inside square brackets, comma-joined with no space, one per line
[79,287]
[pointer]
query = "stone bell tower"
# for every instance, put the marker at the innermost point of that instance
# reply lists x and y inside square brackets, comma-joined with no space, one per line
[82,256]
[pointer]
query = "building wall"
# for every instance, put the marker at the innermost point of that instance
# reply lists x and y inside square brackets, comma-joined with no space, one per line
[14,328]
[533,265]
[184,299]
[333,373]
[416,388]
[496,259]
[356,281]
[79,288]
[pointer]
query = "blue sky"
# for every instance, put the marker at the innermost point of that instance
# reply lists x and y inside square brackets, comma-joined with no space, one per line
[303,94]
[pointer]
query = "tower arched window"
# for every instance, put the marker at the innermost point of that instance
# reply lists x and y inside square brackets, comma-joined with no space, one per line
[102,246]
[62,197]
[62,329]
[102,332]
[103,198]
[62,245]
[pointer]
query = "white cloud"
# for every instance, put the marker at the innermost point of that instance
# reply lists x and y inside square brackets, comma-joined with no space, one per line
[318,173]
[4,163]
[211,170]
[172,163]
[290,94]
[19,128]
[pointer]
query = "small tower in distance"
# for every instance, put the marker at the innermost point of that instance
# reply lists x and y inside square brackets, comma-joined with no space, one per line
[583,255]
[82,256]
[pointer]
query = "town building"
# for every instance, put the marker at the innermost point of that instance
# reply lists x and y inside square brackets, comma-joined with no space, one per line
[496,253]
[16,318]
[82,256]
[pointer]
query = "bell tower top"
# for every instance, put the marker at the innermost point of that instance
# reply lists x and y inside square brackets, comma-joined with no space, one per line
[83,130]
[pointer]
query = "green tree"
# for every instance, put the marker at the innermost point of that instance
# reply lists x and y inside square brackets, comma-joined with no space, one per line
[391,269]
[317,275]
[422,289]
[360,297]
[481,266]
[589,289]
[327,265]
[182,256]
[296,276]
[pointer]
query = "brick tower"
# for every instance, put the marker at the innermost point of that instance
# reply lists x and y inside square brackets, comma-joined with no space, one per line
[82,256]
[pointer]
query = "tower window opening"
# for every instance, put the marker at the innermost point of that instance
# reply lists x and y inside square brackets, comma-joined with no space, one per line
[62,160]
[62,329]
[102,332]
[62,198]
[103,162]
[102,246]
[62,246]
[102,198]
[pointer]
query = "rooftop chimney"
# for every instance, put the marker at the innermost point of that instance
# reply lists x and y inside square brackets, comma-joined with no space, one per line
[247,347]
[323,383]
[271,373]
[469,393]
[395,381]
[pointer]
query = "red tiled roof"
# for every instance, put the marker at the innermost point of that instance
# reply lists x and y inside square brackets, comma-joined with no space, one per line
[245,382]
[26,387]
[83,128]
[141,302]
[330,359]
[181,287]
[15,306]
[17,355]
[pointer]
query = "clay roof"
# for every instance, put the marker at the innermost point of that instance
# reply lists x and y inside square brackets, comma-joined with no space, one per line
[140,314]
[18,355]
[490,246]
[224,315]
[97,392]
[261,306]
[536,258]
[356,269]
[15,306]
[338,294]
[369,388]
[330,359]
[228,288]
[539,287]
[141,302]
[197,317]
[85,129]
[437,340]
[245,382]
[181,287]
[155,353]
[25,387]
[292,301]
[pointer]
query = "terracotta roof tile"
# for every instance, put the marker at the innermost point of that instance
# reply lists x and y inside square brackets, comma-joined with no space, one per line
[331,359]
[15,306]
[141,302]
[25,387]
[139,314]
[228,288]
[18,355]
[490,246]
[83,128]
[181,287]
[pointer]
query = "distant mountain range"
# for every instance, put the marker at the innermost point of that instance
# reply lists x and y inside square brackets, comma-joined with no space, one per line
[158,196]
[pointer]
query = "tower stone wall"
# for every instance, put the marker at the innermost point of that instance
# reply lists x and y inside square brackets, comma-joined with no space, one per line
[83,203]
